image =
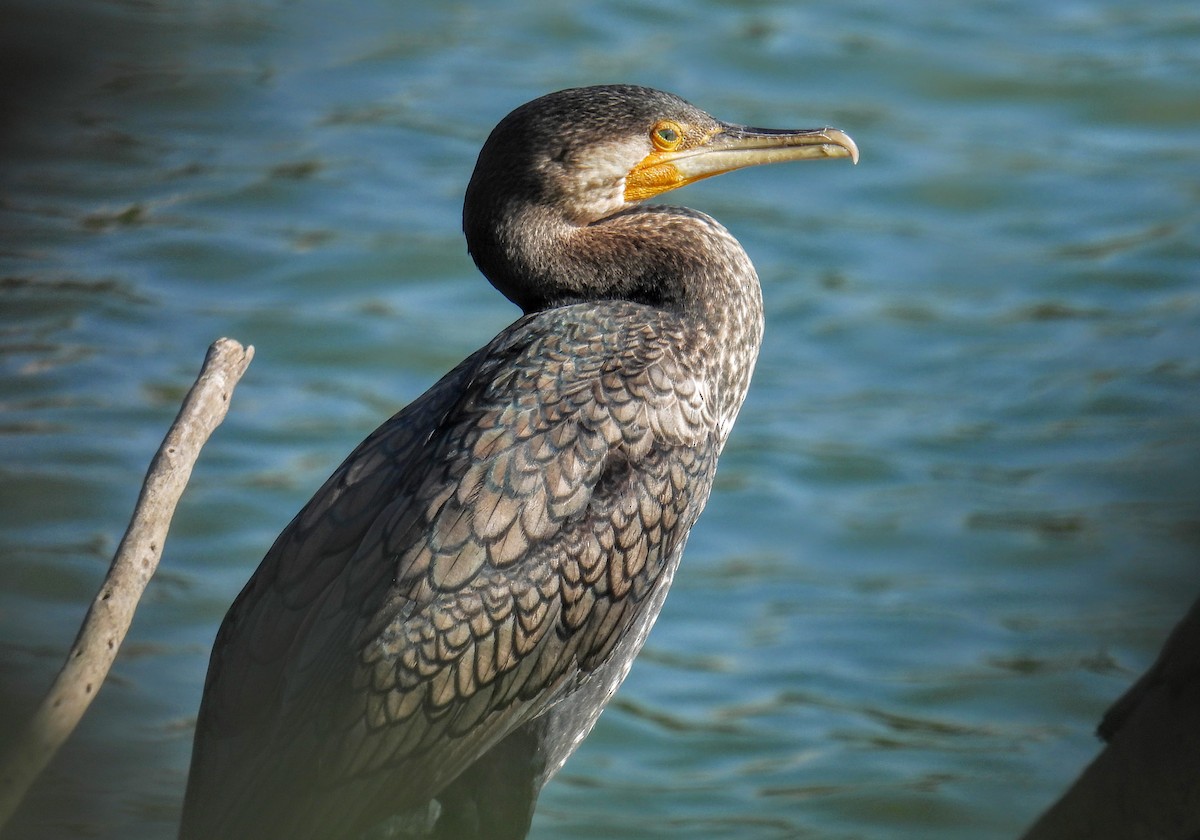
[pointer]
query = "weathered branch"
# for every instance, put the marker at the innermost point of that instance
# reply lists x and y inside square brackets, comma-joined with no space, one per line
[137,557]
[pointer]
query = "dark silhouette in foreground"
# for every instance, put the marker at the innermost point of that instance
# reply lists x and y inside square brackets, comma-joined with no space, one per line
[1145,784]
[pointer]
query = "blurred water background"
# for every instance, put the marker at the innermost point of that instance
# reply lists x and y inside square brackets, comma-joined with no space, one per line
[958,515]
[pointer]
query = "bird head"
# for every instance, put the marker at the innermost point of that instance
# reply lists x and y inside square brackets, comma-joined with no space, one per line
[556,168]
[594,151]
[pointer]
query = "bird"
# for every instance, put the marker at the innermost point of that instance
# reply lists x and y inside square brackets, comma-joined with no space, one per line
[440,626]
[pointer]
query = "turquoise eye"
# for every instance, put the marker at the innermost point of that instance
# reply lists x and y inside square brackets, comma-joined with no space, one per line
[666,135]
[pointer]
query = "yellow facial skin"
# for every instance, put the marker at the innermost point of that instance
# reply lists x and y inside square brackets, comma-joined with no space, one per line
[682,154]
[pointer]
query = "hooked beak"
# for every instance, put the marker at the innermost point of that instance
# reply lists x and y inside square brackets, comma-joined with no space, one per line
[733,147]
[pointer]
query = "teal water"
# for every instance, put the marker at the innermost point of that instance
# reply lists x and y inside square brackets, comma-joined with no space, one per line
[960,510]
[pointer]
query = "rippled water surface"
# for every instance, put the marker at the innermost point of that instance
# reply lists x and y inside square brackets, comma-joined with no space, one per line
[957,516]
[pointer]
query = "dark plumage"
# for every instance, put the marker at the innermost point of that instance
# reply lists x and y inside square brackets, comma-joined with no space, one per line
[441,625]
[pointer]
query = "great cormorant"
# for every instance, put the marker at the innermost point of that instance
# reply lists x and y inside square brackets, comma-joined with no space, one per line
[440,626]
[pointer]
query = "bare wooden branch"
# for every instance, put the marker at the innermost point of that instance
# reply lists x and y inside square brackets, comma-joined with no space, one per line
[136,559]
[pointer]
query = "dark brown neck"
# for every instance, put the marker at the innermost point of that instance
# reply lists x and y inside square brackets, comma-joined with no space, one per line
[670,258]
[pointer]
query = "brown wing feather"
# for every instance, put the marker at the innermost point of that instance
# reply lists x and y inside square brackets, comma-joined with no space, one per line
[469,564]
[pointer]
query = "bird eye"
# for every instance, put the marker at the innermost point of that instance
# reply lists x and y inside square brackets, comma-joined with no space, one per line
[666,136]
